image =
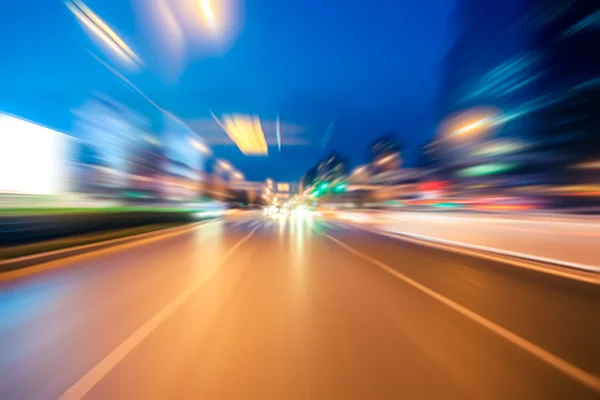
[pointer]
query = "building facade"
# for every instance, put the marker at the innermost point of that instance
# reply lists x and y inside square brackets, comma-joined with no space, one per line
[531,68]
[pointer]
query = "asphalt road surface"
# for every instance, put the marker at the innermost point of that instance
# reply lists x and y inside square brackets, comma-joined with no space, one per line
[251,308]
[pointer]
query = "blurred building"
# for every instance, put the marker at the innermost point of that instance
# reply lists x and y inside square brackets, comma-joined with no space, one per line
[111,128]
[568,32]
[520,86]
[284,191]
[179,181]
[331,168]
[384,153]
[148,166]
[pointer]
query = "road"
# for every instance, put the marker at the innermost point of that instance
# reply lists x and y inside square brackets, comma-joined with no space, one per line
[250,308]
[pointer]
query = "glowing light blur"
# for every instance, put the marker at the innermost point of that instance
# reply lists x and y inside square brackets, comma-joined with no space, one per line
[359,170]
[487,169]
[472,126]
[246,132]
[475,121]
[588,165]
[180,31]
[209,213]
[102,31]
[497,147]
[201,147]
[219,21]
[386,159]
[208,13]
[278,132]
[238,175]
[225,165]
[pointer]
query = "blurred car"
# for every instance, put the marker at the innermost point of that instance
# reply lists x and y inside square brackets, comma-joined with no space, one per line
[276,211]
[268,211]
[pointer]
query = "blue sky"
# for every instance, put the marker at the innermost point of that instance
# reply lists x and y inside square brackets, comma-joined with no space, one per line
[370,67]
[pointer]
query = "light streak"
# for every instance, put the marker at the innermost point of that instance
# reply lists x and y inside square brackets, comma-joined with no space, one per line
[246,132]
[101,30]
[209,14]
[328,134]
[278,131]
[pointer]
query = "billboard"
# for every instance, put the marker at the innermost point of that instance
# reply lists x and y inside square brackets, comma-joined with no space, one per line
[33,158]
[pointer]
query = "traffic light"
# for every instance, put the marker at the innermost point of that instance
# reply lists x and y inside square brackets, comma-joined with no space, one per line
[323,186]
[340,187]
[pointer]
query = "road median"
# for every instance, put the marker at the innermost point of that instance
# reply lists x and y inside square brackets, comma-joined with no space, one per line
[79,246]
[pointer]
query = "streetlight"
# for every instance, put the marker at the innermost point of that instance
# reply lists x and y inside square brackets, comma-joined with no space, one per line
[470,127]
[359,170]
[238,175]
[386,159]
[198,145]
[225,165]
[467,123]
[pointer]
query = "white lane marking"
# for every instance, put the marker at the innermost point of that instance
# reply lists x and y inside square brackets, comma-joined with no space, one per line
[484,252]
[100,370]
[567,368]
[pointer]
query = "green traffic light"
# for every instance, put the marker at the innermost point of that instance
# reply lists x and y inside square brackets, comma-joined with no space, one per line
[323,186]
[340,187]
